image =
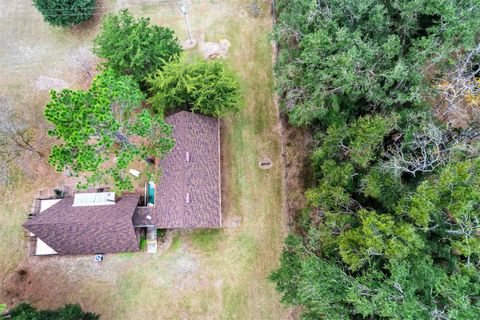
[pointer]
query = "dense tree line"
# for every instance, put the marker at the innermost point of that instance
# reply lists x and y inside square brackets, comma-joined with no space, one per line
[392,224]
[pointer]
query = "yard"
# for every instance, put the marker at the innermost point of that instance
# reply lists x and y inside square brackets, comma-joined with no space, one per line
[203,274]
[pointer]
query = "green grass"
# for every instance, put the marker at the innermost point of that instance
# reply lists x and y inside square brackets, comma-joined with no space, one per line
[176,242]
[126,255]
[143,243]
[206,240]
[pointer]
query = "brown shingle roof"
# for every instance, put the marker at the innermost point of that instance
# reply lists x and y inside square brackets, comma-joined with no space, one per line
[89,229]
[141,215]
[188,196]
[196,181]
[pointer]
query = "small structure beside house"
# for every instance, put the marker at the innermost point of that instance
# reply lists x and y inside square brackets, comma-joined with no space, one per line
[188,196]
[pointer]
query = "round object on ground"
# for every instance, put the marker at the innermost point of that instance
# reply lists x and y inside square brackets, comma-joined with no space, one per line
[265,163]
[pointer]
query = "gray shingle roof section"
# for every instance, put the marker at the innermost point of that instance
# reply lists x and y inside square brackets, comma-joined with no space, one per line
[188,195]
[87,229]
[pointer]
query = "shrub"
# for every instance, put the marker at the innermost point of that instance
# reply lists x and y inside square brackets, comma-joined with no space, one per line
[65,13]
[143,243]
[208,87]
[25,311]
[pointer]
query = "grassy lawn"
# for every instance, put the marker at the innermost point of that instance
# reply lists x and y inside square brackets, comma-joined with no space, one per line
[204,274]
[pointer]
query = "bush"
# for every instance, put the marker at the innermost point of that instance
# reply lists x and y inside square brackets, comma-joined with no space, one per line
[161,233]
[208,87]
[65,13]
[25,311]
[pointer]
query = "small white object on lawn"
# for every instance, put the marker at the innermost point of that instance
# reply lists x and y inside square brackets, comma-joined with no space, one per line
[134,172]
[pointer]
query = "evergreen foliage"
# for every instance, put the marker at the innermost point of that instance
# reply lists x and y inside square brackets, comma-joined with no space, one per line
[347,56]
[133,46]
[104,130]
[65,13]
[25,311]
[207,87]
[391,228]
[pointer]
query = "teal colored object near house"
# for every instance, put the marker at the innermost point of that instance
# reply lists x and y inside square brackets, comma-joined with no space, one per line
[151,193]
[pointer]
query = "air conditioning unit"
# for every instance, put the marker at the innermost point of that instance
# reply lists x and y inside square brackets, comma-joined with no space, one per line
[99,257]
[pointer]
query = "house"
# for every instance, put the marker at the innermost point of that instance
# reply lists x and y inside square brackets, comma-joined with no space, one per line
[188,196]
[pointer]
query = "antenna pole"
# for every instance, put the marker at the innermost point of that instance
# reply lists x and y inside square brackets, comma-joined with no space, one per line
[183,10]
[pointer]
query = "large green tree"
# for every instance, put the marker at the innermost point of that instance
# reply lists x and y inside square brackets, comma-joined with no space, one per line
[133,46]
[354,55]
[104,130]
[65,13]
[390,229]
[420,261]
[208,87]
[448,208]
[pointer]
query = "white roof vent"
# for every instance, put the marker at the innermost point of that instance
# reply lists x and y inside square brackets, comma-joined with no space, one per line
[93,199]
[187,156]
[187,197]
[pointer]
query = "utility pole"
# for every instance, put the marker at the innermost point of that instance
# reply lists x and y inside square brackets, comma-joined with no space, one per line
[183,10]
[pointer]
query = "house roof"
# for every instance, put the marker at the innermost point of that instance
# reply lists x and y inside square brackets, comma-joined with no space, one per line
[144,217]
[87,229]
[188,195]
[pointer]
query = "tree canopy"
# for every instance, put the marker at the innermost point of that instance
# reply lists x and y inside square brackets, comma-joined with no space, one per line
[25,311]
[419,262]
[390,228]
[207,87]
[366,54]
[133,46]
[103,130]
[65,13]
